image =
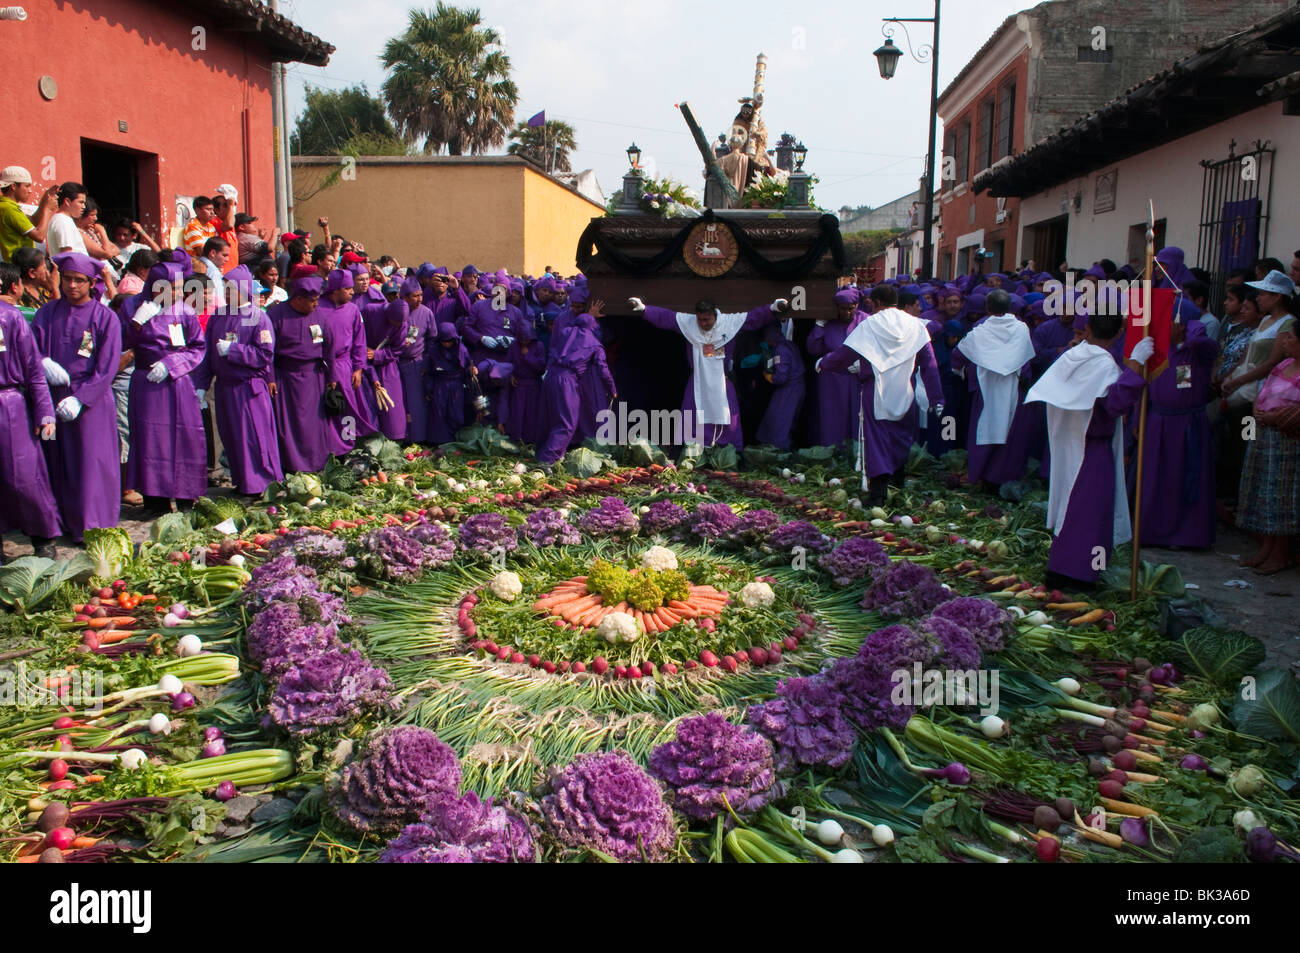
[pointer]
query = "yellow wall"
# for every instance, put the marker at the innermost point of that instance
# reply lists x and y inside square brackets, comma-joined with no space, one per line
[554,219]
[492,212]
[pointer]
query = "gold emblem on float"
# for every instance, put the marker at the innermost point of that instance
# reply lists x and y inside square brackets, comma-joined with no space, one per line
[710,250]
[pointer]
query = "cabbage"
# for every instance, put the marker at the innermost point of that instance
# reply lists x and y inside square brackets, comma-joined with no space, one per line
[303,487]
[110,549]
[1221,656]
[583,463]
[170,527]
[28,581]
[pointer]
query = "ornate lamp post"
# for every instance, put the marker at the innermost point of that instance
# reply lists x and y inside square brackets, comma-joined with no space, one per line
[887,57]
[630,200]
[797,194]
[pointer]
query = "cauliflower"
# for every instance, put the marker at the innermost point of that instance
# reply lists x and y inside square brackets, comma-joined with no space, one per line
[659,558]
[506,585]
[618,627]
[757,594]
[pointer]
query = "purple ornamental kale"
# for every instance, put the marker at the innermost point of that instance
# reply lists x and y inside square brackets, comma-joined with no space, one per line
[391,782]
[805,723]
[986,621]
[662,517]
[957,648]
[322,551]
[401,553]
[754,525]
[712,520]
[612,517]
[463,830]
[269,629]
[867,680]
[298,646]
[484,532]
[787,536]
[853,559]
[606,802]
[714,763]
[328,689]
[904,590]
[546,527]
[279,578]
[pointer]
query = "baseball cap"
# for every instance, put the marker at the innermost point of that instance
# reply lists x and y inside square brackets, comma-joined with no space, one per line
[243,218]
[15,175]
[352,258]
[1276,282]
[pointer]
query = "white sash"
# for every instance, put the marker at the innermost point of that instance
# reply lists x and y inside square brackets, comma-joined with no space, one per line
[890,340]
[998,348]
[709,376]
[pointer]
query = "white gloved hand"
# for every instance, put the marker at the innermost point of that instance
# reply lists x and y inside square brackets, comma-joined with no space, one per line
[202,395]
[157,373]
[1143,350]
[146,311]
[506,340]
[818,366]
[55,375]
[68,408]
[489,341]
[821,324]
[855,367]
[937,410]
[780,305]
[223,347]
[636,304]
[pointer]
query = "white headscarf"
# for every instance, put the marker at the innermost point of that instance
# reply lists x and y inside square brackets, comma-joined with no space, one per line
[889,340]
[998,347]
[709,379]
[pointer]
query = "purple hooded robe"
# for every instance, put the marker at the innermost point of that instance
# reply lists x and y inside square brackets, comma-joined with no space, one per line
[24,404]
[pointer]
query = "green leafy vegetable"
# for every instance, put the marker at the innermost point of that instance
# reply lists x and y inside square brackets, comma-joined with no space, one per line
[27,582]
[1161,580]
[1273,708]
[1222,656]
[582,462]
[110,549]
[170,527]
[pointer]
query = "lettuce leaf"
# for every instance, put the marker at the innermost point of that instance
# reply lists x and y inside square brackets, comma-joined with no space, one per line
[1222,656]
[1273,708]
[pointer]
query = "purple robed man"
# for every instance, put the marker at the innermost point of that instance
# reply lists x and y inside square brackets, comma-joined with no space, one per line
[785,373]
[1178,477]
[1087,395]
[493,325]
[710,407]
[526,413]
[385,338]
[996,356]
[573,354]
[449,368]
[301,343]
[412,362]
[838,395]
[888,348]
[337,309]
[595,396]
[240,356]
[25,410]
[169,453]
[85,339]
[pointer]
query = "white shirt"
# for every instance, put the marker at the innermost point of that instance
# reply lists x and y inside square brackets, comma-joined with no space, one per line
[63,234]
[214,273]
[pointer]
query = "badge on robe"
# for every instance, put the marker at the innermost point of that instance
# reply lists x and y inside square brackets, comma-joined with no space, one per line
[265,336]
[1183,376]
[412,332]
[3,347]
[87,344]
[317,337]
[177,335]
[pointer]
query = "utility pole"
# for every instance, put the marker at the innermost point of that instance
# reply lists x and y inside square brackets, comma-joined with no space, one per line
[280,142]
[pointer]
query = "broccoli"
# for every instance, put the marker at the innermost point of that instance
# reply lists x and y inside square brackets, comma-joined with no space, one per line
[1210,845]
[644,593]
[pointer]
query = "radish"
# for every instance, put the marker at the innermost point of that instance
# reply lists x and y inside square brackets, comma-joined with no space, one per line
[847,856]
[708,659]
[189,645]
[160,724]
[517,658]
[213,749]
[742,656]
[211,733]
[598,665]
[63,722]
[633,671]
[620,671]
[225,791]
[60,838]
[180,610]
[548,667]
[758,656]
[168,685]
[1049,850]
[647,668]
[580,667]
[183,700]
[728,663]
[58,769]
[534,660]
[992,726]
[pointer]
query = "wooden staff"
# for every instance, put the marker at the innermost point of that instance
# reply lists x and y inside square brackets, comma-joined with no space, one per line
[1142,414]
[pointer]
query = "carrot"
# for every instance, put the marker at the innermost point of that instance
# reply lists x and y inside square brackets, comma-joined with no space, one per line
[621,607]
[1068,606]
[92,778]
[1168,716]
[1002,580]
[80,842]
[666,617]
[684,609]
[1100,836]
[1143,778]
[1094,616]
[111,622]
[648,620]
[1124,807]
[588,616]
[1144,755]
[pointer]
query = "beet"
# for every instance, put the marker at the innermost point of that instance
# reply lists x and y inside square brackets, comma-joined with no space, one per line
[1065,807]
[1125,760]
[1140,665]
[53,817]
[1111,789]
[51,855]
[1112,744]
[1097,768]
[1046,818]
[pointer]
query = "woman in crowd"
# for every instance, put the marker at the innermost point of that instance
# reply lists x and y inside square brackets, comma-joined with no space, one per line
[1241,309]
[1270,481]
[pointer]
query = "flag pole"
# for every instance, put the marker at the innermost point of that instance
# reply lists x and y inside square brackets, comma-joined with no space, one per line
[1147,303]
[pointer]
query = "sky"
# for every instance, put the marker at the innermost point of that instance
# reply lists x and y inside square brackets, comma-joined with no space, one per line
[615,70]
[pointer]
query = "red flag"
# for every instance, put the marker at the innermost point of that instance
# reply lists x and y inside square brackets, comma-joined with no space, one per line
[1153,323]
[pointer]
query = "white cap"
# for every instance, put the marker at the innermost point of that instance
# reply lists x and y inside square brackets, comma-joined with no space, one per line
[15,175]
[1274,281]
[229,192]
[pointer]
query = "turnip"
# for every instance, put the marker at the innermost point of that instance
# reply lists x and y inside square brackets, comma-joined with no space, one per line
[225,791]
[132,758]
[1037,617]
[1134,831]
[1247,780]
[168,685]
[213,749]
[847,856]
[993,726]
[882,835]
[211,733]
[183,701]
[160,724]
[1203,716]
[1068,685]
[829,832]
[189,645]
[1193,762]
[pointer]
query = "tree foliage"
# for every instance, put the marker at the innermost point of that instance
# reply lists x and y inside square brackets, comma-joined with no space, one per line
[861,247]
[547,146]
[333,117]
[449,82]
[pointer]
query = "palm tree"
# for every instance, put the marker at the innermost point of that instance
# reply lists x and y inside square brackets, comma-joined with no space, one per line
[547,146]
[449,83]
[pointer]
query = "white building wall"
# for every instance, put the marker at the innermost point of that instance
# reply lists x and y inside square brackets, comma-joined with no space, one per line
[1171,176]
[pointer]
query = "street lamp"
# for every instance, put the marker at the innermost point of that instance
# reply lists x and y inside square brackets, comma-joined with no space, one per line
[633,180]
[887,58]
[800,153]
[634,156]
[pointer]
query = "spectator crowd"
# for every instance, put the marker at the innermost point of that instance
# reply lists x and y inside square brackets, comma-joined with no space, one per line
[129,371]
